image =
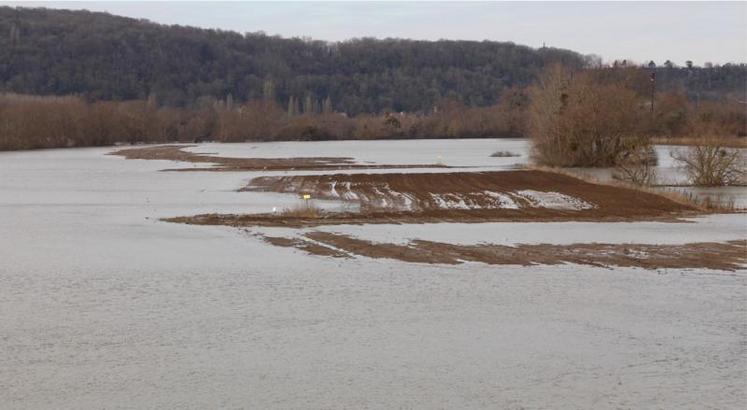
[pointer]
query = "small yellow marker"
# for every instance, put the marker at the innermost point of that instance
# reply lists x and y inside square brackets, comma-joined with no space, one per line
[306,196]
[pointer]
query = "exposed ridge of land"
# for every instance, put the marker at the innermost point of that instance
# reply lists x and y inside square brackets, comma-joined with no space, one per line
[218,163]
[494,190]
[472,197]
[730,256]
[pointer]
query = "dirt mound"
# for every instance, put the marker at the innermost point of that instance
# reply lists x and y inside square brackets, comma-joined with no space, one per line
[707,255]
[177,153]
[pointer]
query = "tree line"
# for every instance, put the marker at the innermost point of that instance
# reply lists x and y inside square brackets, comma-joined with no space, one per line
[76,78]
[103,57]
[30,122]
[575,117]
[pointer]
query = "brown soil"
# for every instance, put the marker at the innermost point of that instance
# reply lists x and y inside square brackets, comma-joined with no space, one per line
[382,199]
[415,191]
[177,153]
[480,216]
[310,247]
[706,255]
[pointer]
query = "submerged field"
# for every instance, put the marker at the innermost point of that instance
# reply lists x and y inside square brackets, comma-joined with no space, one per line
[105,304]
[455,194]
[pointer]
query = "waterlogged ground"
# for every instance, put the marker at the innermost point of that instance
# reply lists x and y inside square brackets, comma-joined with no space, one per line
[468,153]
[105,306]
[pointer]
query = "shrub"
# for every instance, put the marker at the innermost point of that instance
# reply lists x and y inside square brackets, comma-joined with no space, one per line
[711,164]
[636,164]
[504,154]
[582,119]
[305,210]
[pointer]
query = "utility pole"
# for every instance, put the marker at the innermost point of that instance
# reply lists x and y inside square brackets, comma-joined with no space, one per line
[653,90]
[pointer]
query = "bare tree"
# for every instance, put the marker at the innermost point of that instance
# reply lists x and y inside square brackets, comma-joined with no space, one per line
[583,119]
[711,164]
[636,164]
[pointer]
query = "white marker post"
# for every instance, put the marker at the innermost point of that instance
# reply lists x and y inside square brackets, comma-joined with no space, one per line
[306,199]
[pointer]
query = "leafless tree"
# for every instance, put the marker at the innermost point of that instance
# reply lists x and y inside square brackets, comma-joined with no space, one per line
[712,164]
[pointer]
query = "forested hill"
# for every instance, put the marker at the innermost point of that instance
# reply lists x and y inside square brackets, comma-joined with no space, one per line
[46,51]
[102,56]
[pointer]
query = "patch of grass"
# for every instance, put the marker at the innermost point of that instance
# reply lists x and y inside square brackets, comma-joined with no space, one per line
[305,210]
[708,204]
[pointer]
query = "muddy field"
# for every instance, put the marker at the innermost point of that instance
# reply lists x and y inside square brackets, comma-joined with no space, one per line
[472,197]
[453,197]
[456,196]
[521,194]
[476,197]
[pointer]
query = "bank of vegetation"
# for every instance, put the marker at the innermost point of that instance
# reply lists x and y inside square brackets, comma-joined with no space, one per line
[30,122]
[584,117]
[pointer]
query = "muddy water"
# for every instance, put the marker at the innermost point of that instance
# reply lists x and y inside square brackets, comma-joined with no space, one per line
[103,306]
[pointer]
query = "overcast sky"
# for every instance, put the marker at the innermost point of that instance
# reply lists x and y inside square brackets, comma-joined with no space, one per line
[701,32]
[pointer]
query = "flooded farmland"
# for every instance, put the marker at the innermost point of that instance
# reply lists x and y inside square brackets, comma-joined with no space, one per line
[104,304]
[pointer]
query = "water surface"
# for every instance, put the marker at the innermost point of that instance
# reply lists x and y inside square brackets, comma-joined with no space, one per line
[105,306]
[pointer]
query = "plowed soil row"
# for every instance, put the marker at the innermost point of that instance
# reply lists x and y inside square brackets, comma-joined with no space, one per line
[730,255]
[425,189]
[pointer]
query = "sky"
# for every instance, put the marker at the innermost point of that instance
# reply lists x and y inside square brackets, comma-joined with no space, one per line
[640,31]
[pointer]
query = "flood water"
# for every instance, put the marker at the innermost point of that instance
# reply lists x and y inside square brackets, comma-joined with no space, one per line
[472,153]
[102,305]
